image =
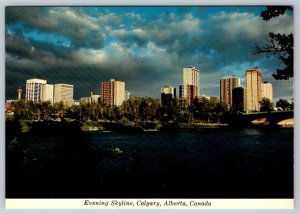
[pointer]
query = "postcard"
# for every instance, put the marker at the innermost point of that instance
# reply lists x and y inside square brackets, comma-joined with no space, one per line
[151,107]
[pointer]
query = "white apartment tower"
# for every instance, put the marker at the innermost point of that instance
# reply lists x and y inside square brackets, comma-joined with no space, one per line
[34,89]
[191,81]
[64,92]
[253,93]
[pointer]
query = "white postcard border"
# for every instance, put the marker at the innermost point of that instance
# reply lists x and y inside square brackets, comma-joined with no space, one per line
[149,203]
[244,203]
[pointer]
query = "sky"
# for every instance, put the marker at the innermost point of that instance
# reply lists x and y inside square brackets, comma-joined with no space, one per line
[146,47]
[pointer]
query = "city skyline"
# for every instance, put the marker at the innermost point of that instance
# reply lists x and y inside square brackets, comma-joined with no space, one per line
[145,50]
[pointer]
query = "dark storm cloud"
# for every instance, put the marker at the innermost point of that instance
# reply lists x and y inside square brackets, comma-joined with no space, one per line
[83,31]
[146,54]
[223,39]
[34,50]
[163,31]
[17,46]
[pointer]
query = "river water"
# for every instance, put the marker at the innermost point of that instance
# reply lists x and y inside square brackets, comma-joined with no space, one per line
[202,163]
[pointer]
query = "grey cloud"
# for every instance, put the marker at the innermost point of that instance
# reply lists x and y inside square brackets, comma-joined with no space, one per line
[17,46]
[82,30]
[164,46]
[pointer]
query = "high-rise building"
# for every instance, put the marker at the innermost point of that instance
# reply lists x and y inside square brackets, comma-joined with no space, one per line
[63,92]
[253,92]
[226,86]
[34,89]
[190,87]
[267,90]
[47,93]
[168,93]
[238,99]
[112,92]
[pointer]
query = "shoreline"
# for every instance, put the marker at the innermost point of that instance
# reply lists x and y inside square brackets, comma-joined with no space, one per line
[95,126]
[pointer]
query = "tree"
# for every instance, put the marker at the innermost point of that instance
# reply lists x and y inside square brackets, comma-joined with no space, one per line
[265,104]
[204,109]
[284,104]
[58,109]
[220,109]
[33,110]
[45,110]
[20,109]
[148,108]
[279,45]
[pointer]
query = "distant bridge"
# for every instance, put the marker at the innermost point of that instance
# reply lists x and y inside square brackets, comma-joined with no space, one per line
[272,118]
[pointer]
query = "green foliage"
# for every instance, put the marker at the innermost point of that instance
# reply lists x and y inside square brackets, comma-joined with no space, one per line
[135,110]
[265,104]
[279,45]
[274,11]
[284,104]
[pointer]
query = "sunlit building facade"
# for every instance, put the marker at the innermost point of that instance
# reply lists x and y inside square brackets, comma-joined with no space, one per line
[191,84]
[112,92]
[47,93]
[267,90]
[253,93]
[64,92]
[34,89]
[226,86]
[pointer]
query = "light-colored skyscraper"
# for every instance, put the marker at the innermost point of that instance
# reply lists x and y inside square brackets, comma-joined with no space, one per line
[34,89]
[191,85]
[63,92]
[112,92]
[226,86]
[47,93]
[267,90]
[253,91]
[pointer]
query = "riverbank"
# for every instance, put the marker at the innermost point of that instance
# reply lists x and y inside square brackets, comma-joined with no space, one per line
[172,126]
[74,125]
[145,126]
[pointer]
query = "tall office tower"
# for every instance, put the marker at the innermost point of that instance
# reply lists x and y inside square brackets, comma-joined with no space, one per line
[253,89]
[47,93]
[168,93]
[267,90]
[64,92]
[226,86]
[238,99]
[112,92]
[190,87]
[34,89]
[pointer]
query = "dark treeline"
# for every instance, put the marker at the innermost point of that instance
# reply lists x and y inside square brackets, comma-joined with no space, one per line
[134,110]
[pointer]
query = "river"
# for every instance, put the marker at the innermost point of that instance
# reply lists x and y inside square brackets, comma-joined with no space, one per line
[199,163]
